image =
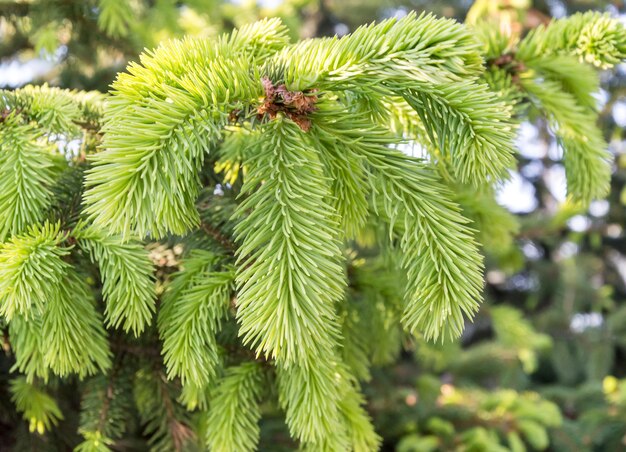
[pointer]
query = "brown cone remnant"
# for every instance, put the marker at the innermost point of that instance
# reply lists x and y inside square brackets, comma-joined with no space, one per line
[4,114]
[234,116]
[509,64]
[296,105]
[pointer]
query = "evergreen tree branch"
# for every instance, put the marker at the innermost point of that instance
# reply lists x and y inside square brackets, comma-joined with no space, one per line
[104,409]
[594,37]
[75,339]
[38,408]
[115,17]
[31,269]
[127,275]
[402,58]
[579,80]
[232,422]
[174,106]
[310,393]
[27,346]
[53,110]
[165,423]
[416,48]
[348,185]
[41,287]
[440,256]
[190,318]
[26,176]
[586,158]
[289,273]
[27,343]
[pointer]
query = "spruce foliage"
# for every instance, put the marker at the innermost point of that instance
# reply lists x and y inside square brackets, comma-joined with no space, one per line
[310,247]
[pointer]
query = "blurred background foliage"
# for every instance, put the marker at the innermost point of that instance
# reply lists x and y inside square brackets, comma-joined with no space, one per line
[543,366]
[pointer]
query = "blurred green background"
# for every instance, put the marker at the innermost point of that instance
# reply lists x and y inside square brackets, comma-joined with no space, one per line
[546,355]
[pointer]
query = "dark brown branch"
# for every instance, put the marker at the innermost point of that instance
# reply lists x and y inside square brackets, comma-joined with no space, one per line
[108,397]
[180,432]
[219,237]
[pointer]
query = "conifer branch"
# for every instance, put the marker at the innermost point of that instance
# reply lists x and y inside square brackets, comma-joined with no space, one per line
[31,267]
[104,409]
[34,273]
[115,17]
[289,272]
[579,80]
[463,125]
[232,422]
[38,408]
[546,69]
[310,393]
[594,37]
[75,338]
[300,218]
[53,110]
[127,275]
[165,423]
[26,176]
[27,343]
[152,181]
[190,318]
[439,252]
[586,158]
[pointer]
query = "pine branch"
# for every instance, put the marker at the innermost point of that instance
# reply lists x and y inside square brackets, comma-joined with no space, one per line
[54,110]
[594,37]
[165,424]
[38,408]
[72,337]
[26,176]
[151,180]
[190,318]
[104,409]
[127,274]
[348,185]
[463,124]
[360,431]
[310,393]
[579,80]
[403,58]
[27,345]
[586,158]
[307,135]
[440,256]
[232,422]
[115,17]
[31,268]
[289,274]
[75,339]
[416,48]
